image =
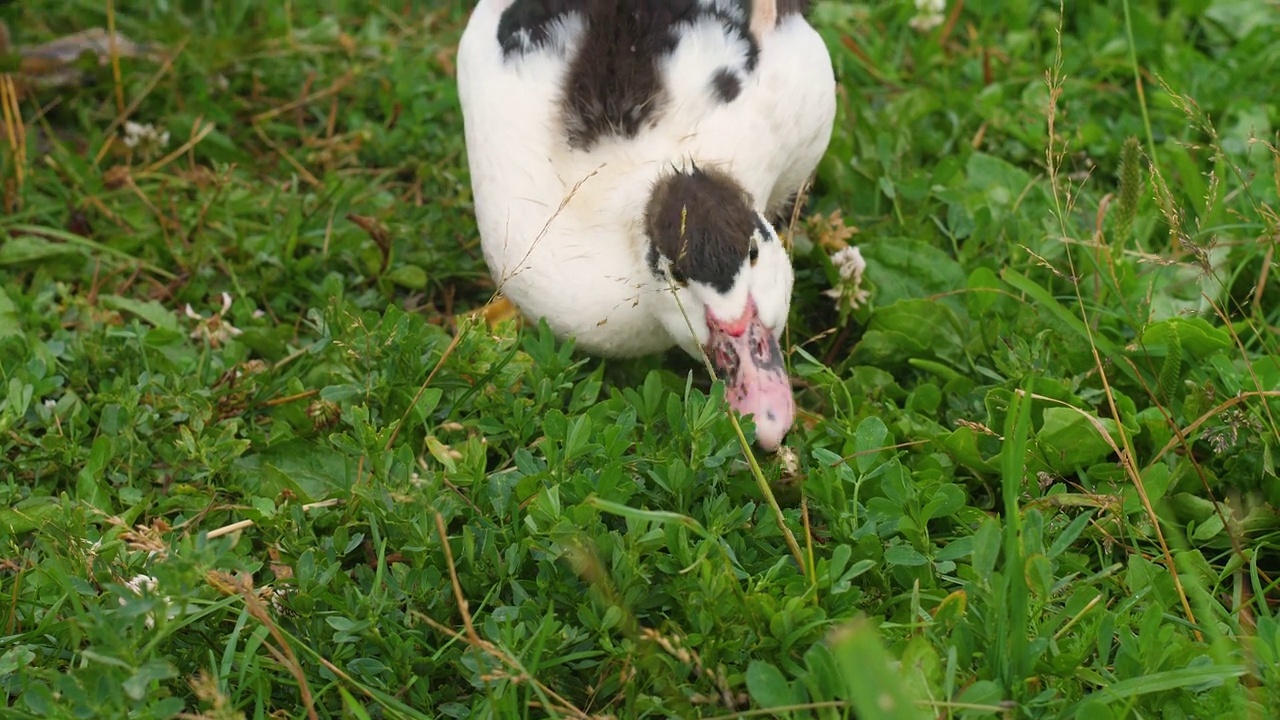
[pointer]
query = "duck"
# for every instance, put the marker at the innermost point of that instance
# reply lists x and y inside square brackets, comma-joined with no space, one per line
[626,159]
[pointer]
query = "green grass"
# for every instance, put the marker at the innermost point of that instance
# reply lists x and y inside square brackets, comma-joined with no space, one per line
[1034,476]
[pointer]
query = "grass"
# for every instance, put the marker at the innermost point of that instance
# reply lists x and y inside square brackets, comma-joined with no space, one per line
[1034,474]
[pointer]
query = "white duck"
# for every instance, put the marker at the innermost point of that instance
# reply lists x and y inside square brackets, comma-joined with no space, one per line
[625,157]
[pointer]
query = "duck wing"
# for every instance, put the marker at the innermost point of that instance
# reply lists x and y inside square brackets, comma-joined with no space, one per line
[763,114]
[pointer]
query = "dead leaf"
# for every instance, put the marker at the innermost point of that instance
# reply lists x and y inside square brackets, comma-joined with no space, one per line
[58,63]
[830,231]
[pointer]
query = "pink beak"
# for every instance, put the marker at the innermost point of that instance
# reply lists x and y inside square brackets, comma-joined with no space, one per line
[746,355]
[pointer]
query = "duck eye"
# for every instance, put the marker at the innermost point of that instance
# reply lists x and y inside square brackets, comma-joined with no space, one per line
[754,253]
[678,277]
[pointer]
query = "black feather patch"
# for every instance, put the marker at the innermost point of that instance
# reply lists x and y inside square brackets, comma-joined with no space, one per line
[701,221]
[613,87]
[726,85]
[614,83]
[527,23]
[766,232]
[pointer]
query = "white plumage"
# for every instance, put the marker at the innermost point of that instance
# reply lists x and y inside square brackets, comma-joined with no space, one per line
[567,226]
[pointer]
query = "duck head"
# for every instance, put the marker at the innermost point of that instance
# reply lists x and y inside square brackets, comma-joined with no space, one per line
[722,285]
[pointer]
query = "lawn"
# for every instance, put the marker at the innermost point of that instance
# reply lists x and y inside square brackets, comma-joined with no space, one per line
[259,457]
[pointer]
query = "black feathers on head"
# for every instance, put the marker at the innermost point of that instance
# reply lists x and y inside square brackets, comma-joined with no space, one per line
[701,221]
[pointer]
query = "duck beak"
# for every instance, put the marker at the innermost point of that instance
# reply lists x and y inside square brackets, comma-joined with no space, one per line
[747,357]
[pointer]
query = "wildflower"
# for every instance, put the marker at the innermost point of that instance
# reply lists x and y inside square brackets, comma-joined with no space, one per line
[214,328]
[851,266]
[145,138]
[790,462]
[929,15]
[276,598]
[142,585]
[831,232]
[323,413]
[1226,436]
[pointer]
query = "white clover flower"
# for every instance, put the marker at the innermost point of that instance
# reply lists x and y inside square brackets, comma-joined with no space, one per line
[214,328]
[929,15]
[144,137]
[145,584]
[851,265]
[276,597]
[140,584]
